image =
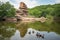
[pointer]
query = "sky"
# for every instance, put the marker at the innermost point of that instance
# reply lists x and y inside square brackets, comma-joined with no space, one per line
[31,3]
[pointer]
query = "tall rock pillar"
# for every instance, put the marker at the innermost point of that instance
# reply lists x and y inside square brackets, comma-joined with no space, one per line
[23,9]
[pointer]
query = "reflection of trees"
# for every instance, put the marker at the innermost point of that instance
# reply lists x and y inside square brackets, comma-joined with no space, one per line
[23,29]
[56,27]
[6,30]
[53,27]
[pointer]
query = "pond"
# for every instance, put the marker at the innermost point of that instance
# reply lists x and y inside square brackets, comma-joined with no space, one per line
[29,31]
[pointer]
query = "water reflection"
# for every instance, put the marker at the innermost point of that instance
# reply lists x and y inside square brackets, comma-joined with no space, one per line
[29,31]
[44,35]
[22,29]
[6,31]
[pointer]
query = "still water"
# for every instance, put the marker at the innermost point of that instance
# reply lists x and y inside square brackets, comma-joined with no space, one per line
[29,31]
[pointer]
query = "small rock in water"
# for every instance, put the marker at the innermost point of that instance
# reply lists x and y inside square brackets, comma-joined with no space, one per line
[32,31]
[29,32]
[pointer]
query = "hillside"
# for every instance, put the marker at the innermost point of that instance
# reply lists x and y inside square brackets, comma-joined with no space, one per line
[44,10]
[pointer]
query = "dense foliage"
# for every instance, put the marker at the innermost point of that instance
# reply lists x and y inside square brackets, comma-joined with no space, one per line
[7,10]
[44,10]
[51,12]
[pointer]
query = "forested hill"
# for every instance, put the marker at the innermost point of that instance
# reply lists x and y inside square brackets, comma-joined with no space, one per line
[44,10]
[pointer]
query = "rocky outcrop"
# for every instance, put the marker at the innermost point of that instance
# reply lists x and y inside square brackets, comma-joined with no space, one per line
[23,5]
[12,19]
[22,11]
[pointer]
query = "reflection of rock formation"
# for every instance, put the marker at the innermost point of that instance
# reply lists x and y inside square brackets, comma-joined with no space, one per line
[23,29]
[22,32]
[22,11]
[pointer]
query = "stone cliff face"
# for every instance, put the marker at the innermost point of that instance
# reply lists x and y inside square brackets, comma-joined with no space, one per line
[22,5]
[22,11]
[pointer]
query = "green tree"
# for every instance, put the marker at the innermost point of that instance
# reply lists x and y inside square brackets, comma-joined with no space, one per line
[56,13]
[7,10]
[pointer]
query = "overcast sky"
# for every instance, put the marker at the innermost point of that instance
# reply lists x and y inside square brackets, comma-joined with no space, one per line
[31,3]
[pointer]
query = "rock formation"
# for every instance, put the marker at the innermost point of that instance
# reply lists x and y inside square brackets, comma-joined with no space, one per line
[22,5]
[22,11]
